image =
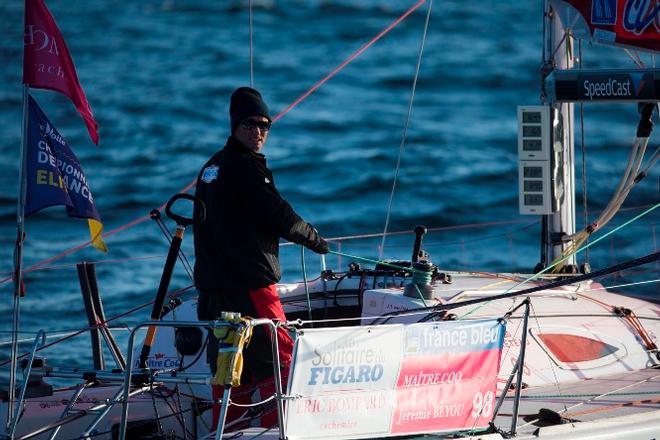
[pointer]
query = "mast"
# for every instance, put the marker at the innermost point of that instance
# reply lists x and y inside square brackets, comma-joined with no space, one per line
[18,264]
[557,54]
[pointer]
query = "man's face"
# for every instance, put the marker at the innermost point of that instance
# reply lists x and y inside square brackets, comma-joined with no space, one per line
[252,132]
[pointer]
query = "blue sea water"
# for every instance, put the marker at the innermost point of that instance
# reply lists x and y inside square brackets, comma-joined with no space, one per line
[158,75]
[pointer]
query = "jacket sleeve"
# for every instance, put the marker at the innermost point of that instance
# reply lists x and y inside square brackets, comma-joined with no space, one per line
[258,195]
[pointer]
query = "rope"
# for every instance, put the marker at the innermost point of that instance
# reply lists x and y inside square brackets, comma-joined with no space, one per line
[421,278]
[632,319]
[621,285]
[405,127]
[508,234]
[568,32]
[304,271]
[575,396]
[251,405]
[110,233]
[383,263]
[587,246]
[631,177]
[348,60]
[505,355]
[54,335]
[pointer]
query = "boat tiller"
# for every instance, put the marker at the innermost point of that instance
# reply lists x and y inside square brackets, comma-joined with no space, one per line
[181,224]
[420,230]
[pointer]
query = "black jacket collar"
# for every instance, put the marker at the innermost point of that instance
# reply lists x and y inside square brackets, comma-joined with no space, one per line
[235,146]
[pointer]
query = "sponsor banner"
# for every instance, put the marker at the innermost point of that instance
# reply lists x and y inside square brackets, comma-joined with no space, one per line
[614,87]
[458,395]
[160,361]
[394,379]
[441,408]
[593,86]
[433,338]
[346,378]
[622,22]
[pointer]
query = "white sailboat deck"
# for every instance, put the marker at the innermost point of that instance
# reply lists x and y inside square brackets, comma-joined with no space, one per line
[619,406]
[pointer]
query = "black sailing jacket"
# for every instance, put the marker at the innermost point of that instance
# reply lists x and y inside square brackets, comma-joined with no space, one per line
[237,247]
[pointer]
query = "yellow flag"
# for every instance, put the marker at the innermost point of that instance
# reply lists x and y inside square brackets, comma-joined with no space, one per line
[96,232]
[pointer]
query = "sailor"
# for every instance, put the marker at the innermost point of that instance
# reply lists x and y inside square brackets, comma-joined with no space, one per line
[237,247]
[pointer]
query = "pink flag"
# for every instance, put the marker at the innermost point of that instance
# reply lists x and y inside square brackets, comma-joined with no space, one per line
[47,63]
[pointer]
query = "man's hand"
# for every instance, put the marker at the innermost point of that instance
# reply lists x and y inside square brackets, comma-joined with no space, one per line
[320,246]
[305,234]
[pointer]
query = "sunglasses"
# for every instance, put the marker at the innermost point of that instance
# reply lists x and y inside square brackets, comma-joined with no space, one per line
[251,124]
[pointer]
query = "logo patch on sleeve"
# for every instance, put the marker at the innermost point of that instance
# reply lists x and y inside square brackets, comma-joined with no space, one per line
[210,173]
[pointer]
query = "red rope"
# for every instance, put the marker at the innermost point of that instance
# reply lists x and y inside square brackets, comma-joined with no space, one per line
[628,316]
[348,60]
[98,262]
[70,251]
[631,318]
[277,117]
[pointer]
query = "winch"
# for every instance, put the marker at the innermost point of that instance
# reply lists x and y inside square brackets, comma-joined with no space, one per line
[420,286]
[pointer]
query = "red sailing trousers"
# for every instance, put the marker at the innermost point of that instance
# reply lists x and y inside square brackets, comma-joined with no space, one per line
[266,304]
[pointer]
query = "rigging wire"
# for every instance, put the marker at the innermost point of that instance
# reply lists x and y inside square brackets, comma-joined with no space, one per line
[182,256]
[55,334]
[550,361]
[174,293]
[634,56]
[536,275]
[348,60]
[654,158]
[562,259]
[251,43]
[405,126]
[338,239]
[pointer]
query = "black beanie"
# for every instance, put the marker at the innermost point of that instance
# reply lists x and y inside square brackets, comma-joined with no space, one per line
[246,102]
